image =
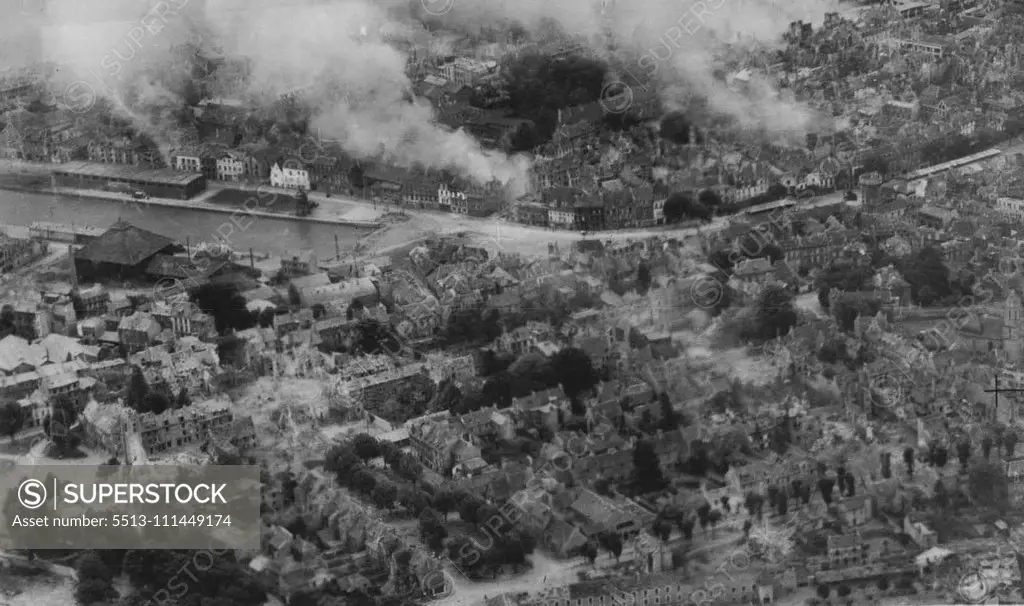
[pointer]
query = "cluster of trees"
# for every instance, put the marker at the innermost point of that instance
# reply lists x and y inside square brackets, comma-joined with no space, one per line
[680,206]
[571,368]
[225,582]
[951,147]
[7,326]
[349,463]
[95,583]
[649,477]
[228,307]
[774,315]
[57,426]
[937,454]
[499,542]
[536,86]
[473,325]
[140,397]
[925,271]
[12,419]
[490,554]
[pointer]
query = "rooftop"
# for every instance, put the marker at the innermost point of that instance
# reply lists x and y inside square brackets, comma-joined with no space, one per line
[160,176]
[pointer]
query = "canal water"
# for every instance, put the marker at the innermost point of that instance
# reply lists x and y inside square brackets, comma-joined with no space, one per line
[274,236]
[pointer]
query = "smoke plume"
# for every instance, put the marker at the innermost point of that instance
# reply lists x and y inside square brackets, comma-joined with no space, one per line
[339,54]
[679,45]
[354,79]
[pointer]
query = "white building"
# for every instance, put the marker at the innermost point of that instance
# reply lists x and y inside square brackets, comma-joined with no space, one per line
[447,197]
[468,72]
[188,164]
[1010,207]
[564,217]
[230,168]
[659,210]
[290,178]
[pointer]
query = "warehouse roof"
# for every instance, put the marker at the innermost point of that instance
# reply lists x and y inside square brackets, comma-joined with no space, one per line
[161,176]
[125,244]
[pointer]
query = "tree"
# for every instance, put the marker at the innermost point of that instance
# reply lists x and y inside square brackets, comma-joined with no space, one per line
[823,591]
[590,552]
[469,509]
[714,517]
[709,198]
[939,456]
[662,529]
[1009,442]
[669,417]
[643,278]
[12,419]
[747,525]
[783,503]
[986,446]
[444,501]
[908,460]
[384,495]
[408,467]
[963,452]
[364,481]
[649,477]
[704,516]
[7,326]
[941,496]
[573,366]
[883,584]
[805,494]
[182,400]
[843,591]
[928,276]
[775,315]
[432,529]
[886,465]
[91,567]
[686,525]
[138,389]
[157,401]
[342,460]
[773,496]
[294,297]
[612,543]
[676,207]
[754,504]
[825,485]
[987,484]
[94,591]
[366,447]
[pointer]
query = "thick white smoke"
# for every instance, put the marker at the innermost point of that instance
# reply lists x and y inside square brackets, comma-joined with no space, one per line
[355,80]
[336,51]
[677,44]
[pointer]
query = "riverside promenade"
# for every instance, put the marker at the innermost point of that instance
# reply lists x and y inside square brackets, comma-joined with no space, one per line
[331,211]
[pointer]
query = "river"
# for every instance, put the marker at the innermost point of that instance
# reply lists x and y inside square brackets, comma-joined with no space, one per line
[273,236]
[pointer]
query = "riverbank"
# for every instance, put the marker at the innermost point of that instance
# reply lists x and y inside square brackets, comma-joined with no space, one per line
[22,177]
[291,232]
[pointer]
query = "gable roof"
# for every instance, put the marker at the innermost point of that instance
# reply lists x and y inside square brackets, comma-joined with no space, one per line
[124,244]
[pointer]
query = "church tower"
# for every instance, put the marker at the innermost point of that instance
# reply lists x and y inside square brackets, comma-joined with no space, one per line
[1012,327]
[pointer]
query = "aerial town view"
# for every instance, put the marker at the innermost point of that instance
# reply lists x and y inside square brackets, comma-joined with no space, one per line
[564,303]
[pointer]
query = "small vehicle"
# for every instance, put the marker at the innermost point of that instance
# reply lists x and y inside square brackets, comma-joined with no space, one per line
[140,195]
